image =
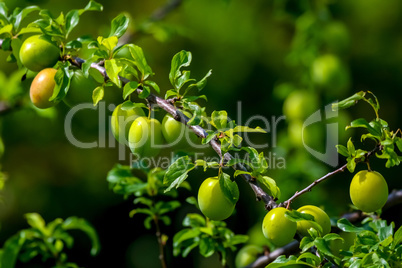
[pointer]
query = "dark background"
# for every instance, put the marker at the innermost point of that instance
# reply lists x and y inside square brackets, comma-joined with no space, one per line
[247,44]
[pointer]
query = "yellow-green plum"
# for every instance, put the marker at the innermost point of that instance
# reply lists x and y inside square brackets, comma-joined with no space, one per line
[320,217]
[177,134]
[247,255]
[328,71]
[39,52]
[145,137]
[277,228]
[122,120]
[213,202]
[80,90]
[300,104]
[368,191]
[42,88]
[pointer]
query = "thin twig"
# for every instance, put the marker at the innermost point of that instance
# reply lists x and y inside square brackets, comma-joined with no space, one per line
[328,175]
[160,243]
[308,188]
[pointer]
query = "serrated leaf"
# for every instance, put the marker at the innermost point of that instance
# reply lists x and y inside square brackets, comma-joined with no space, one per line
[119,25]
[97,95]
[178,172]
[229,188]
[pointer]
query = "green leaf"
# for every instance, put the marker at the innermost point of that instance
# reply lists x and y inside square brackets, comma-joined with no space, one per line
[346,226]
[197,112]
[74,223]
[270,184]
[72,19]
[91,6]
[62,78]
[181,59]
[229,188]
[207,246]
[346,103]
[129,88]
[16,44]
[306,243]
[184,235]
[11,249]
[113,70]
[351,164]
[36,221]
[146,91]
[362,123]
[7,30]
[178,172]
[22,14]
[200,84]
[219,119]
[397,237]
[248,129]
[140,61]
[342,150]
[119,25]
[153,84]
[351,147]
[98,94]
[128,105]
[323,247]
[295,216]
[194,220]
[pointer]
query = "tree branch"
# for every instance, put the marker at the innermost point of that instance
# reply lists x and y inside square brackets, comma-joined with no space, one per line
[163,11]
[166,105]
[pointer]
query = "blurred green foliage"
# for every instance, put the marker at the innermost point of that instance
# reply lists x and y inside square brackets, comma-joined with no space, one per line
[260,51]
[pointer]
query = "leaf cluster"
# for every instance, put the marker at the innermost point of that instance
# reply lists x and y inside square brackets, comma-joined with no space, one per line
[208,236]
[46,240]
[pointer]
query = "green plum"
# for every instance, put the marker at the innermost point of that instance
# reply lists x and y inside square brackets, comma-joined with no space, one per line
[39,52]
